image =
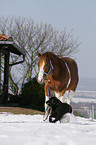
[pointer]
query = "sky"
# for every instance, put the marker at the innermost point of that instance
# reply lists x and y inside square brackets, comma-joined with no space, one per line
[76,15]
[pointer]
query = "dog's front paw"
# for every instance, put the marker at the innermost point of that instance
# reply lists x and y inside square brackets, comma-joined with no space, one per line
[51,119]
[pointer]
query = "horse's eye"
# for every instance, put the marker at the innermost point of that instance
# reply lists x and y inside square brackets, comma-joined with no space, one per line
[46,64]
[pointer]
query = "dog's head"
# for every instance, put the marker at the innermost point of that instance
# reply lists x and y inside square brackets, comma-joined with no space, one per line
[52,102]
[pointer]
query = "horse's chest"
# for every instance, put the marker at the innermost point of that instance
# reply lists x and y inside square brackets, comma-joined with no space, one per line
[56,85]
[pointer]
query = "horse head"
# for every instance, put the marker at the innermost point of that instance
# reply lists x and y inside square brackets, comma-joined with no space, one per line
[44,66]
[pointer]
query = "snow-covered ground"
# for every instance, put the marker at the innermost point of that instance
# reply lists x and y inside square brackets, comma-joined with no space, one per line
[31,130]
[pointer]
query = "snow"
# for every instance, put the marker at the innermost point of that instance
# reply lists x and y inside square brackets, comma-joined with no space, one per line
[32,130]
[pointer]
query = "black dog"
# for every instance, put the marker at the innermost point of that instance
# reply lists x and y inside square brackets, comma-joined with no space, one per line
[58,109]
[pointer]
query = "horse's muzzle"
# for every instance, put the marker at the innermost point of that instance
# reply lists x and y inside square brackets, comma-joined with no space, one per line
[40,81]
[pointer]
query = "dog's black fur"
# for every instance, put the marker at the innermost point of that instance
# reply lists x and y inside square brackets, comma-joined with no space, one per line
[58,109]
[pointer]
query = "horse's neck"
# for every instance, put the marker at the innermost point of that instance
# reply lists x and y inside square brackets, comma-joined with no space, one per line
[59,67]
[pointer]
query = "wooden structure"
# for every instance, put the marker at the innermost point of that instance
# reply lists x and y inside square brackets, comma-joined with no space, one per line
[8,46]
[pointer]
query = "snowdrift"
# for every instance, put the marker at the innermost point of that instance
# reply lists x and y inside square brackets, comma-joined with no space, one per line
[31,130]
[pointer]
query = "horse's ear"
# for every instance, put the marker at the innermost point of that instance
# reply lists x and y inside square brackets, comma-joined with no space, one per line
[47,54]
[38,54]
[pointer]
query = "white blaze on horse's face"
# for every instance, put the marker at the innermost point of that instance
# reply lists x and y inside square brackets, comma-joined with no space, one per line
[41,73]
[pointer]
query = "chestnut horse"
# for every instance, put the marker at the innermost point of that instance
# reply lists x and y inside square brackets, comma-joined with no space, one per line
[60,75]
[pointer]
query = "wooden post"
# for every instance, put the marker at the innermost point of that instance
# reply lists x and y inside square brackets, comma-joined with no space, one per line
[6,78]
[0,71]
[92,111]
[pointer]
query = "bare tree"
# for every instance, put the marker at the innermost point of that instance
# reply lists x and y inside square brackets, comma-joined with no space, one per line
[32,37]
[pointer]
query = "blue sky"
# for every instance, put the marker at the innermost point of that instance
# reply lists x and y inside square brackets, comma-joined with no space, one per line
[79,15]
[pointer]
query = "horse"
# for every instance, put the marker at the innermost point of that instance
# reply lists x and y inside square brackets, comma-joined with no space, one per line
[60,75]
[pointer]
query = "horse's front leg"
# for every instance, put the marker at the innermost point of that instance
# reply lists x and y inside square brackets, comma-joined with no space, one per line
[47,93]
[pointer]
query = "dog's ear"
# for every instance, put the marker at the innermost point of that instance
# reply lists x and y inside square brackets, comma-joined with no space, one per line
[47,102]
[53,101]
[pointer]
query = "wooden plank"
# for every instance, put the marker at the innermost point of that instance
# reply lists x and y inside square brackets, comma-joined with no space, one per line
[6,78]
[0,71]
